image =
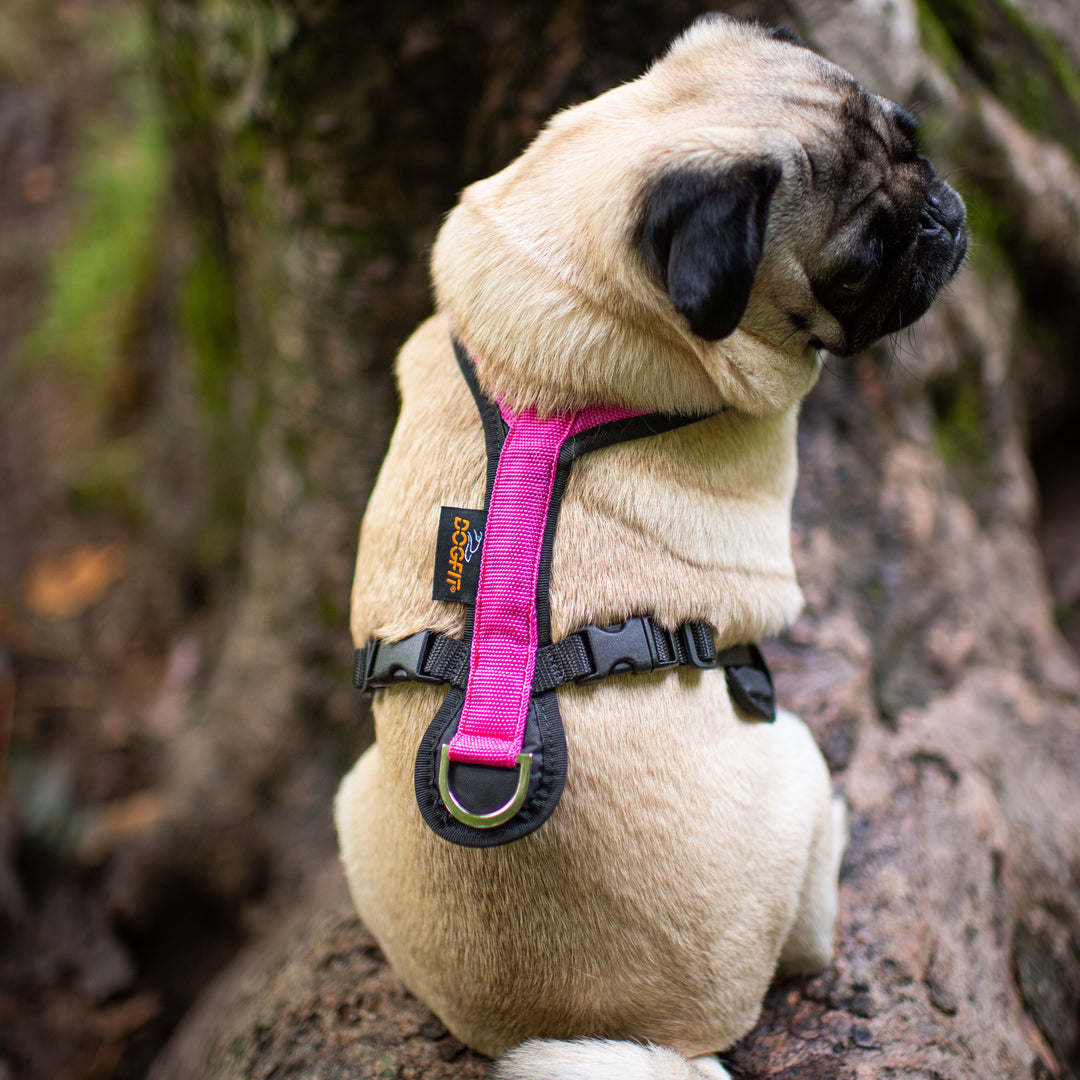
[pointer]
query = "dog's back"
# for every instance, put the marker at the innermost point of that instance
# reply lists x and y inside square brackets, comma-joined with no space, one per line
[655,903]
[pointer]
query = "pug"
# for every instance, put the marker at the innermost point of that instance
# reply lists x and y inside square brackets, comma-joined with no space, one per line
[606,885]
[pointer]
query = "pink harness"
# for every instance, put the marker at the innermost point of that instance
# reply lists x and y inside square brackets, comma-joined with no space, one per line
[492,764]
[502,660]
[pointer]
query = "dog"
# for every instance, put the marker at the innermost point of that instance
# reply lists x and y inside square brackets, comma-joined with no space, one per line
[683,245]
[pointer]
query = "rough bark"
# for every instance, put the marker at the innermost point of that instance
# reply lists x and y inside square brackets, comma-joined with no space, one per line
[317,999]
[928,661]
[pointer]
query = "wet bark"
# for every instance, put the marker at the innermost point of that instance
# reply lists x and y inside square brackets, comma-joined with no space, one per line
[328,140]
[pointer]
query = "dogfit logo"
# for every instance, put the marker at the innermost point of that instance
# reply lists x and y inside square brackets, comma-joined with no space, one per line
[457,554]
[465,545]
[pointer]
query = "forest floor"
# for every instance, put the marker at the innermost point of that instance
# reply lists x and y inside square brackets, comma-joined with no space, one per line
[106,634]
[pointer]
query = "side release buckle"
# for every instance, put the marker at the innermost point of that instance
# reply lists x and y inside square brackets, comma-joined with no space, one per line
[637,646]
[389,662]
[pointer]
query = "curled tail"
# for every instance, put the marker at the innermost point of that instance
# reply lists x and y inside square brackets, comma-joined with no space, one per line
[603,1059]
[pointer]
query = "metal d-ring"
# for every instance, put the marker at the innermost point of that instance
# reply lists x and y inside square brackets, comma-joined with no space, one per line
[495,817]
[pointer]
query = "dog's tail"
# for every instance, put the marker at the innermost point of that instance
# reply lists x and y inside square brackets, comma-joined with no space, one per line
[603,1059]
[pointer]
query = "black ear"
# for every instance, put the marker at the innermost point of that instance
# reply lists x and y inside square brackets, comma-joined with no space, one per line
[785,33]
[703,234]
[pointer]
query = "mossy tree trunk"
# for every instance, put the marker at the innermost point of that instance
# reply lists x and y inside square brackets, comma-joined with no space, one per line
[319,144]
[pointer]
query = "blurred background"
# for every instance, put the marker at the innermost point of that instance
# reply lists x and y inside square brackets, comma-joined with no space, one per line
[214,223]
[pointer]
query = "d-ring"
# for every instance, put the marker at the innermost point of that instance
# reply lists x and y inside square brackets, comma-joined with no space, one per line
[495,817]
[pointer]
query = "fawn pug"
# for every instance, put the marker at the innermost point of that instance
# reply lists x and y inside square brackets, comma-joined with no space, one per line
[683,245]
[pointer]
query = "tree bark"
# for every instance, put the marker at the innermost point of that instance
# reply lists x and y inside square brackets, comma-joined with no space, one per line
[330,139]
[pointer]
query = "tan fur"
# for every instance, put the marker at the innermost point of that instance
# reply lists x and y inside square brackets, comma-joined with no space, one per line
[546,243]
[694,523]
[693,848]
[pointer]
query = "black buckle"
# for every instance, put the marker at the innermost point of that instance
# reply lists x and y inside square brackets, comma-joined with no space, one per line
[390,662]
[628,647]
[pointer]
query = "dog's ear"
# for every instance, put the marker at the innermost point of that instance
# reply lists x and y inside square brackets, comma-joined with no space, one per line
[785,33]
[702,234]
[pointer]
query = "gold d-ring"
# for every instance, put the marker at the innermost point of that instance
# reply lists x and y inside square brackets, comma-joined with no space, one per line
[496,817]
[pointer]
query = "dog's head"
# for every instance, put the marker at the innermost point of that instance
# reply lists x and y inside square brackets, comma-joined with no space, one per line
[694,238]
[860,220]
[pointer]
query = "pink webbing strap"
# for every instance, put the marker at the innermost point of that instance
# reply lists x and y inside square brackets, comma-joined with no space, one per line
[502,658]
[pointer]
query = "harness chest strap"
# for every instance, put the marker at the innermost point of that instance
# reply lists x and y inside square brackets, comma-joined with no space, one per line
[492,764]
[637,646]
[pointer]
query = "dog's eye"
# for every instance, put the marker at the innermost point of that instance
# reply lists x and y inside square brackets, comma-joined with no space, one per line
[856,281]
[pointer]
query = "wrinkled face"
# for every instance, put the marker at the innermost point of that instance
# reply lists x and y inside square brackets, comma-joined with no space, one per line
[828,230]
[897,234]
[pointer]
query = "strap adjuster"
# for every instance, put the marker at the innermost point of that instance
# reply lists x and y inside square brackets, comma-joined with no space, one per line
[698,644]
[638,645]
[389,662]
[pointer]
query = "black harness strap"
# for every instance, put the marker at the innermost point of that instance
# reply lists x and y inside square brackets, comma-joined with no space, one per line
[593,653]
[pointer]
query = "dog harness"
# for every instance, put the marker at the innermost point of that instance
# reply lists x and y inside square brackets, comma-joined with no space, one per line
[492,764]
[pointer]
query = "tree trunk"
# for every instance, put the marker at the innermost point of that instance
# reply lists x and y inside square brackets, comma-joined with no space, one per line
[321,142]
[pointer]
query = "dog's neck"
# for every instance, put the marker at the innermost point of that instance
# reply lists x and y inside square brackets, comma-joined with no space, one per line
[560,324]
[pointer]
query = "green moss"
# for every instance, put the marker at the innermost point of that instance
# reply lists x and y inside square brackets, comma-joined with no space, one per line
[959,428]
[1057,86]
[97,278]
[213,66]
[965,20]
[992,224]
[208,319]
[237,40]
[935,38]
[1022,62]
[107,477]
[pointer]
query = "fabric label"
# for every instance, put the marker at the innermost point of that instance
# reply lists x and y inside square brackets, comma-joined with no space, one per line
[457,554]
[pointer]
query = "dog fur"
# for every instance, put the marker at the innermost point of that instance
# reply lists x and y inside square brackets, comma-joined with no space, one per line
[684,243]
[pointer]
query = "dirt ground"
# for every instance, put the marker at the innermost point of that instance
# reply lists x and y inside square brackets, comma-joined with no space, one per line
[106,632]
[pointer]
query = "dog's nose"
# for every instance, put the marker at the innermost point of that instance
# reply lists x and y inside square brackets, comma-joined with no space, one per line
[943,209]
